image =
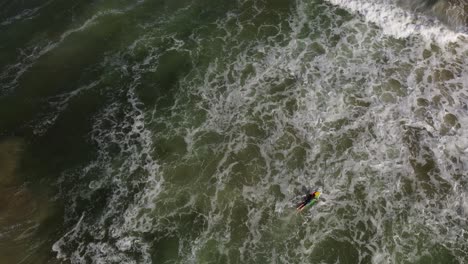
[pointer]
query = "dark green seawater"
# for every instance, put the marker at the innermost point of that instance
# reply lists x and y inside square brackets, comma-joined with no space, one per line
[185,131]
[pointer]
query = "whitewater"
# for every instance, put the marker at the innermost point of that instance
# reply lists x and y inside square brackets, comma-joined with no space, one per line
[186,132]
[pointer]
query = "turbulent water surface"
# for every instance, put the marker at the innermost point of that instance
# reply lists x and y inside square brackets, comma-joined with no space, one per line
[185,131]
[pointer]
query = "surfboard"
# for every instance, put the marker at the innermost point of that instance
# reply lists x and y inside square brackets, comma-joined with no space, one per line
[309,204]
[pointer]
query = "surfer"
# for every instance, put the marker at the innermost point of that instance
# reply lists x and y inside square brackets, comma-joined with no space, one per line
[308,199]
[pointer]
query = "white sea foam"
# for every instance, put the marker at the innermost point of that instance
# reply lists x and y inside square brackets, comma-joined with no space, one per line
[357,118]
[58,104]
[12,73]
[25,14]
[398,22]
[136,144]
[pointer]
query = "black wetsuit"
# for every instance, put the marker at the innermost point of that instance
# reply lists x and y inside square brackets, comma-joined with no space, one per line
[308,198]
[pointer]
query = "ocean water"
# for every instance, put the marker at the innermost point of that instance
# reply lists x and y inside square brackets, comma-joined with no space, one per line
[185,131]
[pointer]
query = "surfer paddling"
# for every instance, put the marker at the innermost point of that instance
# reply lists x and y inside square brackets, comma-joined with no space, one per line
[309,200]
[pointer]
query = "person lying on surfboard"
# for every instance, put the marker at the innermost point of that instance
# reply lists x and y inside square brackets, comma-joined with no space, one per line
[308,199]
